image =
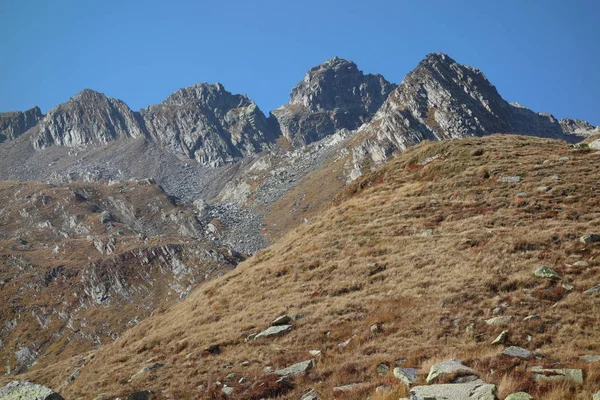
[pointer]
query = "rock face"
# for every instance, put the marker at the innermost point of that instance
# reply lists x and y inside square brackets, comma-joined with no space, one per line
[478,390]
[332,96]
[15,123]
[88,118]
[442,99]
[17,390]
[209,124]
[578,127]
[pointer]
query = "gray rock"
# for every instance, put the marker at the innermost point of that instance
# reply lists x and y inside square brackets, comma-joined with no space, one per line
[382,369]
[499,321]
[274,331]
[476,390]
[501,338]
[312,394]
[141,395]
[541,374]
[592,290]
[514,351]
[281,320]
[227,390]
[346,388]
[590,358]
[301,368]
[510,179]
[597,395]
[408,376]
[590,238]
[546,272]
[450,367]
[19,390]
[519,396]
[14,123]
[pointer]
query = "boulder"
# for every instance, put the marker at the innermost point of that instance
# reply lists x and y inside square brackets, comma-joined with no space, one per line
[590,358]
[514,351]
[281,320]
[593,290]
[501,338]
[476,390]
[546,272]
[382,369]
[590,238]
[312,394]
[300,368]
[450,367]
[227,390]
[274,331]
[519,396]
[17,390]
[541,374]
[406,375]
[503,320]
[141,395]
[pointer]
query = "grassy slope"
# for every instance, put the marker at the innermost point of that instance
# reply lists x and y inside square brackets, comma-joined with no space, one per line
[366,261]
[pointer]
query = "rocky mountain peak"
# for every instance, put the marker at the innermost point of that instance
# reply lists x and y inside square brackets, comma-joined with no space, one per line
[333,95]
[207,123]
[15,123]
[89,117]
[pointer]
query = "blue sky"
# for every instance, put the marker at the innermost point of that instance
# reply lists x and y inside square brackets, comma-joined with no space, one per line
[543,54]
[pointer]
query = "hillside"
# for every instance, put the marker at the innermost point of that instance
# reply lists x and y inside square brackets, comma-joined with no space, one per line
[83,262]
[404,269]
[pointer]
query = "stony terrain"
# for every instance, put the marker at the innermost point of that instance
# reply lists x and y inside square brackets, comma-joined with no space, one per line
[83,262]
[507,290]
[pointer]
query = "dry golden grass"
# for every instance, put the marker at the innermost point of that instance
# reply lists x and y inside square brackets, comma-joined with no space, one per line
[367,261]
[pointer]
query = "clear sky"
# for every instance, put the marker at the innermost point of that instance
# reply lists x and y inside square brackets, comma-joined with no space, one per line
[545,54]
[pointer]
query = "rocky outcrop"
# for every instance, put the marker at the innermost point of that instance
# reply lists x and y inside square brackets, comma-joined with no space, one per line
[442,99]
[332,96]
[16,390]
[578,127]
[209,124]
[88,118]
[15,123]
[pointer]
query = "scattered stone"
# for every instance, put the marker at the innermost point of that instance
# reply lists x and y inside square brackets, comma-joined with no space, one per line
[514,351]
[449,367]
[406,375]
[541,374]
[281,320]
[531,317]
[581,264]
[522,194]
[590,358]
[27,391]
[519,396]
[476,390]
[568,287]
[590,238]
[250,337]
[501,338]
[376,328]
[470,328]
[231,376]
[227,390]
[503,320]
[274,331]
[141,395]
[593,290]
[427,233]
[510,179]
[382,369]
[345,388]
[546,272]
[563,159]
[310,395]
[300,368]
[246,363]
[315,353]
[543,188]
[345,343]
[213,349]
[146,369]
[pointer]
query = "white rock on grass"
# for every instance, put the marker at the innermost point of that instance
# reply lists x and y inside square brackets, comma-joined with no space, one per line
[406,375]
[520,396]
[514,351]
[476,390]
[541,374]
[17,390]
[274,331]
[449,367]
[301,368]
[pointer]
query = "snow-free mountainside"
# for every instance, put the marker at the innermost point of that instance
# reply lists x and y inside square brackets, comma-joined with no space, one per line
[349,244]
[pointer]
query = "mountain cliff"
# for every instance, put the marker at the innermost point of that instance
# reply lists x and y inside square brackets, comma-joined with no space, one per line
[209,124]
[332,96]
[15,123]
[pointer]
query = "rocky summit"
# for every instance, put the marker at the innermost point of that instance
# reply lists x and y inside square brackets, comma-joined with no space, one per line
[357,242]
